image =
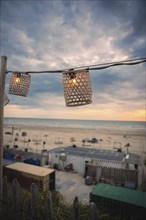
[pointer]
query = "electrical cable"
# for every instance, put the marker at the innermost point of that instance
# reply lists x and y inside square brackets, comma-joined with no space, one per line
[91,67]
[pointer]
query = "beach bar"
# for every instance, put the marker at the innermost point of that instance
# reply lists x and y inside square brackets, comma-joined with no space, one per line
[26,174]
[122,202]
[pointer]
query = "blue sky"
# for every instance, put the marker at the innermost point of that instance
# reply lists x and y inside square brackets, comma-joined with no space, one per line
[51,35]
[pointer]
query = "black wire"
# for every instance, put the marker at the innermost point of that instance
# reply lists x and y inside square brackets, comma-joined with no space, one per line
[117,64]
[130,60]
[91,67]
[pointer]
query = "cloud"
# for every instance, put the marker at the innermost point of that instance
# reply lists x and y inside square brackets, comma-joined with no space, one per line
[43,35]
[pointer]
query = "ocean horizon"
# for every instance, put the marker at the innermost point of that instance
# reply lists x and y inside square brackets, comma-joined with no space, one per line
[76,123]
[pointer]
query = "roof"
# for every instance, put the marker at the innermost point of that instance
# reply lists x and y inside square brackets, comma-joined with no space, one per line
[121,194]
[30,169]
[94,153]
[91,152]
[109,164]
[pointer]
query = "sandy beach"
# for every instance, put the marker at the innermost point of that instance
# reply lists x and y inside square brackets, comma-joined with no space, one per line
[70,185]
[39,138]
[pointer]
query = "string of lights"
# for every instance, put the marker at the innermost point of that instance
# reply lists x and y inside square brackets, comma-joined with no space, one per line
[90,67]
[76,81]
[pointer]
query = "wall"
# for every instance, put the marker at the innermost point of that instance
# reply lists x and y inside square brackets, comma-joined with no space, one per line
[115,174]
[77,161]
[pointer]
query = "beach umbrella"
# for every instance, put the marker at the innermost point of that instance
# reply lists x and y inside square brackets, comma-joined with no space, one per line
[37,143]
[77,87]
[72,139]
[28,141]
[15,140]
[44,142]
[59,141]
[19,84]
[45,136]
[127,146]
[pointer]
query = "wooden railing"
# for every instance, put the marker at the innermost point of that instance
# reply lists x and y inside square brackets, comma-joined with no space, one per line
[14,206]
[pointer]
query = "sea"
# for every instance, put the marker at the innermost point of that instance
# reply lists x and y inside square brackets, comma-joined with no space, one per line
[74,123]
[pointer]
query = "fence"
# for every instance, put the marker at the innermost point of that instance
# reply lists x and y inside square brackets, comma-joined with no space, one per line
[18,204]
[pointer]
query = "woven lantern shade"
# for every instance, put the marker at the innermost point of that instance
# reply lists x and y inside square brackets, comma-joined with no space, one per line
[6,100]
[19,84]
[77,88]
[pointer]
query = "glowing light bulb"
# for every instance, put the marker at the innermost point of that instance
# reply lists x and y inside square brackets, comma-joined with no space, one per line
[74,81]
[17,80]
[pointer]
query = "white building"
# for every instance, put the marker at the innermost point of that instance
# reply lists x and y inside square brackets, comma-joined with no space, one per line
[107,163]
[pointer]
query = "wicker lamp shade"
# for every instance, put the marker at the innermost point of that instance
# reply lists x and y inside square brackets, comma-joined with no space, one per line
[77,88]
[19,84]
[6,100]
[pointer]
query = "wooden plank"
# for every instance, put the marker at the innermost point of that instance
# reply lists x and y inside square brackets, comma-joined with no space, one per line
[2,89]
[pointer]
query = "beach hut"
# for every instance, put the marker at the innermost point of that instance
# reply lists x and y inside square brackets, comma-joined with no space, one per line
[26,174]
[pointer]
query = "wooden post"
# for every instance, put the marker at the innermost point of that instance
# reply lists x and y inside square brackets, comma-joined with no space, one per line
[16,200]
[75,208]
[2,89]
[34,202]
[49,207]
[94,214]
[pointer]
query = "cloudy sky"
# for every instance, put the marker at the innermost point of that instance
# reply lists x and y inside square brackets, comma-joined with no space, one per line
[51,35]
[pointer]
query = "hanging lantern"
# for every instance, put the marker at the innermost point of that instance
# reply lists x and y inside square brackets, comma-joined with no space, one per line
[6,100]
[77,88]
[19,84]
